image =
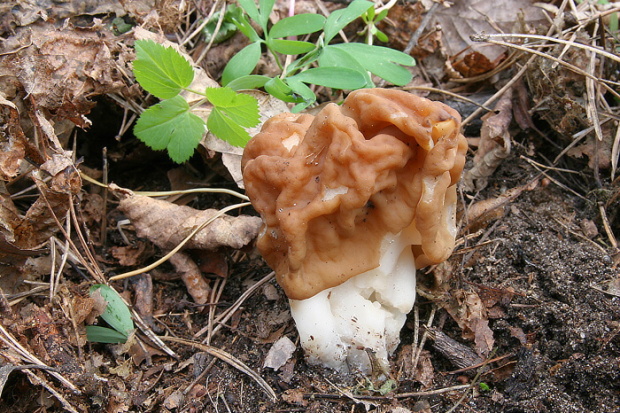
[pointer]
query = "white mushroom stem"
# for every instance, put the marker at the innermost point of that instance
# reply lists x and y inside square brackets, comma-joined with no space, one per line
[339,325]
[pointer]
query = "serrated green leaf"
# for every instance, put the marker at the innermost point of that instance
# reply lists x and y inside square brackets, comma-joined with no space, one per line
[116,313]
[297,25]
[248,82]
[291,47]
[98,334]
[160,70]
[231,112]
[241,64]
[338,19]
[385,62]
[171,125]
[226,129]
[333,77]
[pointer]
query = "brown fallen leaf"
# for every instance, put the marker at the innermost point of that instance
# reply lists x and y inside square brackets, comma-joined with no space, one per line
[494,146]
[166,224]
[197,285]
[466,18]
[482,212]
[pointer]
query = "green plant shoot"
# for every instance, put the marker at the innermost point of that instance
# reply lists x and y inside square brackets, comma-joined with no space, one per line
[337,66]
[116,314]
[170,124]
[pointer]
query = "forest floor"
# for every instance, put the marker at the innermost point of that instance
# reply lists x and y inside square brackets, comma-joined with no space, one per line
[523,317]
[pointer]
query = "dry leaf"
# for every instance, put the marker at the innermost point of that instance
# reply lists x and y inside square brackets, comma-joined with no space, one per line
[466,18]
[196,284]
[166,224]
[494,144]
[281,351]
[79,64]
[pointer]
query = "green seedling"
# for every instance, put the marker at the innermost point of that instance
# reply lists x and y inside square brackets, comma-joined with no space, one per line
[337,66]
[170,124]
[371,18]
[226,31]
[116,314]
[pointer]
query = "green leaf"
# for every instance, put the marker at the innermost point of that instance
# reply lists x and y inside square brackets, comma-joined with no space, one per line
[338,19]
[385,62]
[297,25]
[291,47]
[382,37]
[334,57]
[333,77]
[279,89]
[171,125]
[116,313]
[243,24]
[382,15]
[301,89]
[231,112]
[160,70]
[265,7]
[98,334]
[248,82]
[250,8]
[242,64]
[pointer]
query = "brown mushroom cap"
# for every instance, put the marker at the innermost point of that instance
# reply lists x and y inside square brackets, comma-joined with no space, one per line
[330,187]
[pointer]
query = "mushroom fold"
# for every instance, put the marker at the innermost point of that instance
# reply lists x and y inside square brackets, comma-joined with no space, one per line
[353,200]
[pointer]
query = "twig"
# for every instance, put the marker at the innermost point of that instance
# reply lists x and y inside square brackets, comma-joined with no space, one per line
[230,311]
[227,358]
[416,35]
[602,52]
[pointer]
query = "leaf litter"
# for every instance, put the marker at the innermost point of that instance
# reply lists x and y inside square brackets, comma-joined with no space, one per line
[527,304]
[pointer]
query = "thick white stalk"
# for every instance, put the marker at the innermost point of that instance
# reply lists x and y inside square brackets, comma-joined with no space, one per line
[339,325]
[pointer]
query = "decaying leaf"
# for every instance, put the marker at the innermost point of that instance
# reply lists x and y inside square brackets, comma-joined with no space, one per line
[466,18]
[281,351]
[494,144]
[490,209]
[79,64]
[166,224]
[196,284]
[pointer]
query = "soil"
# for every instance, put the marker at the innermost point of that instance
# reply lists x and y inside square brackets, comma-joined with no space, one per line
[541,270]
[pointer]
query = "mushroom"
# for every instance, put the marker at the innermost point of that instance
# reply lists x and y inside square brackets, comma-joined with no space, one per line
[353,200]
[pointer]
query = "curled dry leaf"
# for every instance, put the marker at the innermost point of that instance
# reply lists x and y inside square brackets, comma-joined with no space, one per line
[487,210]
[196,284]
[166,224]
[494,144]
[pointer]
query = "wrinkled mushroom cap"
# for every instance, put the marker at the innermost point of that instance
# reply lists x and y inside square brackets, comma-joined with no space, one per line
[330,187]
